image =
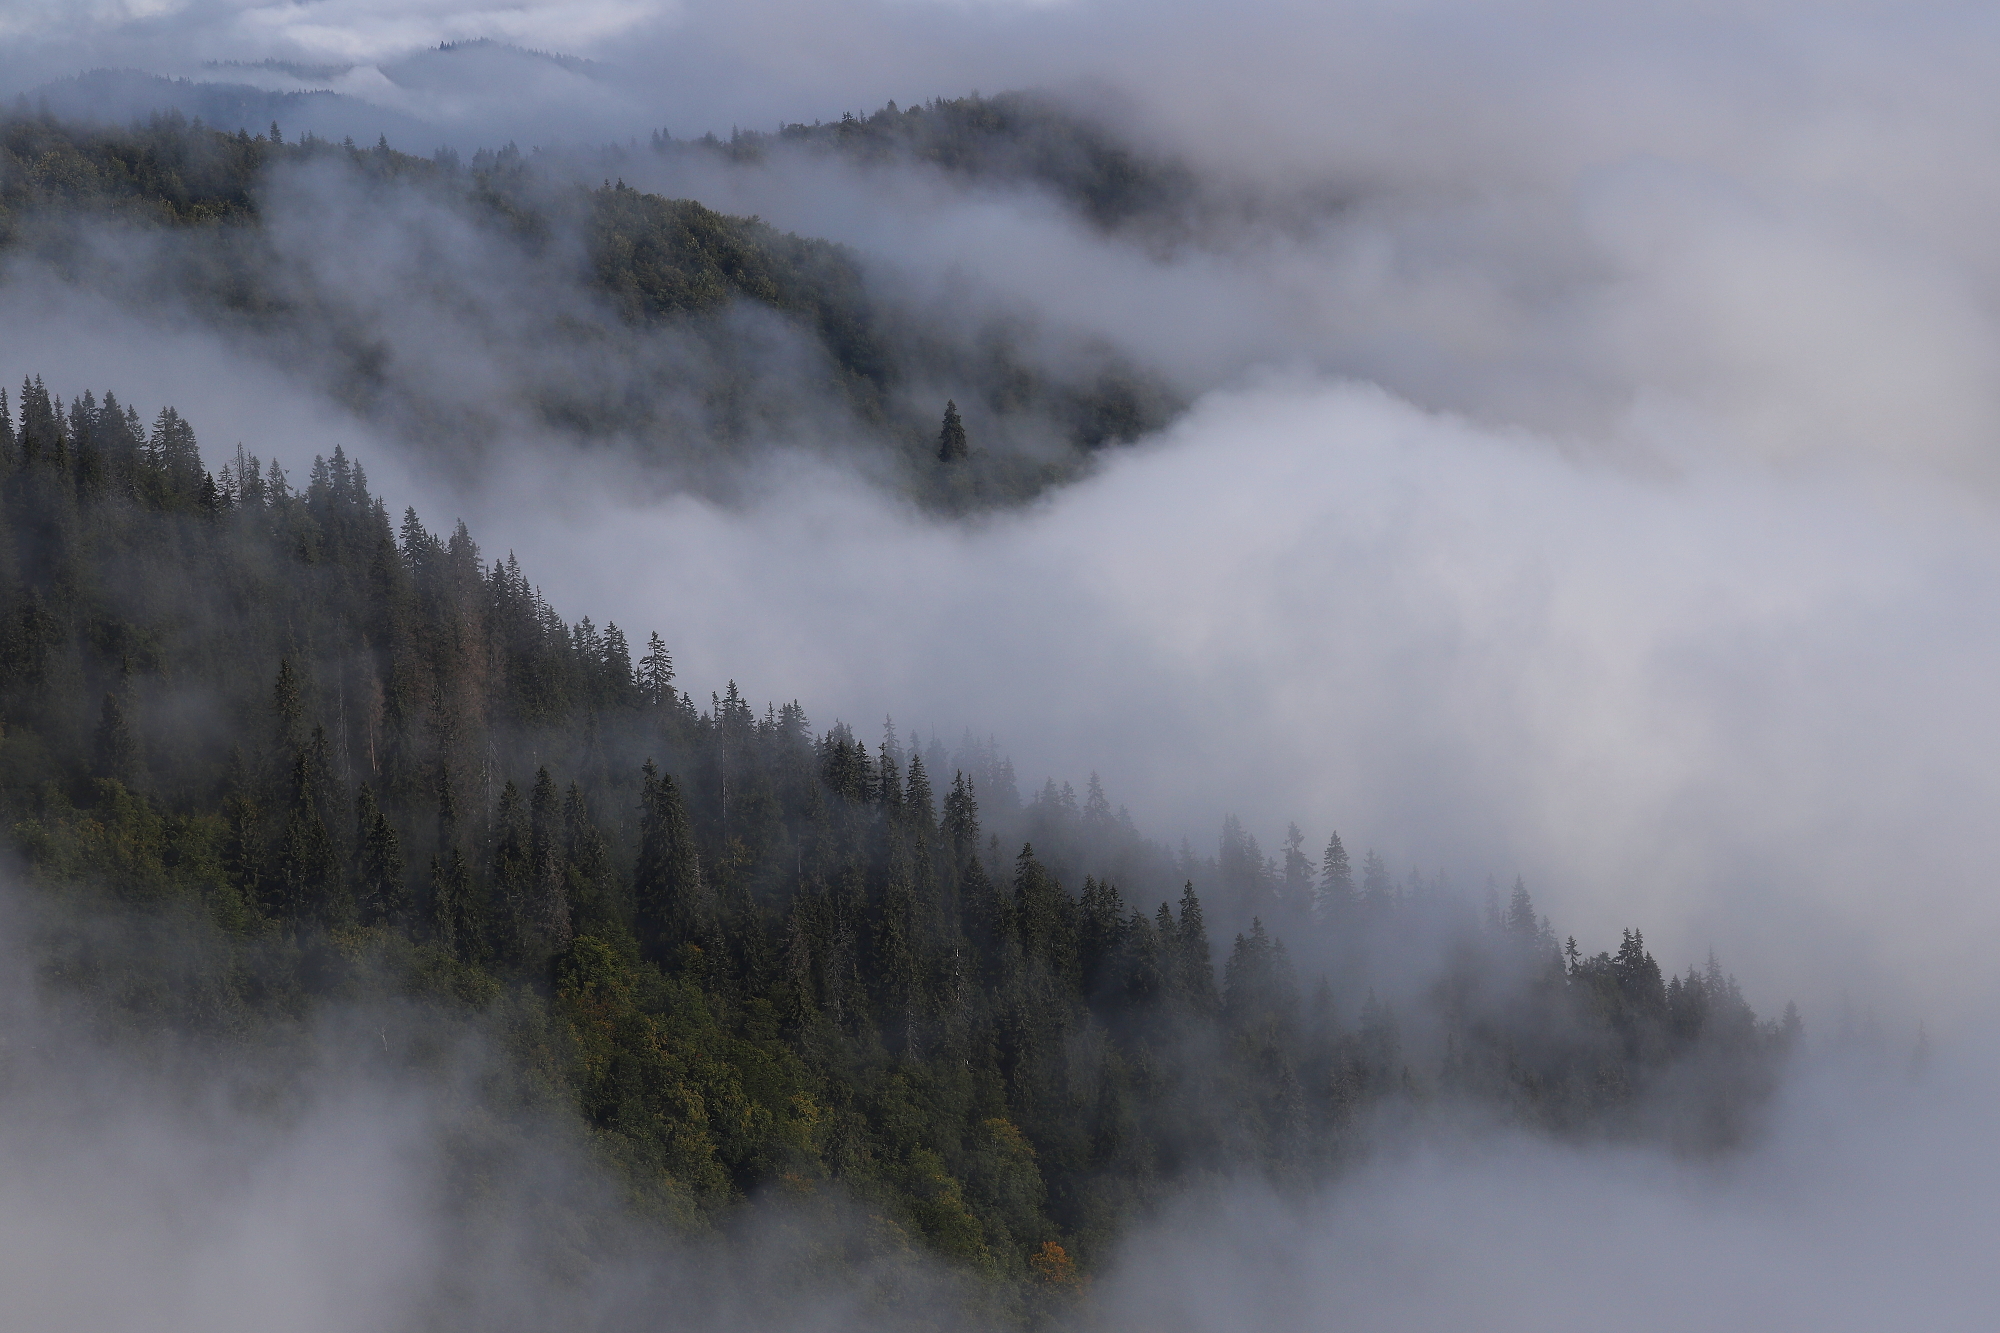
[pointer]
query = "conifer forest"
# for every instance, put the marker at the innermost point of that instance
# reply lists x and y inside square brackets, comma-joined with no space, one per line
[358,759]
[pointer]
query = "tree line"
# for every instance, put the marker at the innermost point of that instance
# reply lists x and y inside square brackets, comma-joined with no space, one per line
[365,758]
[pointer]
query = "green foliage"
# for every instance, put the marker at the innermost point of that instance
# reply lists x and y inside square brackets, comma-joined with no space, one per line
[670,279]
[1012,136]
[351,759]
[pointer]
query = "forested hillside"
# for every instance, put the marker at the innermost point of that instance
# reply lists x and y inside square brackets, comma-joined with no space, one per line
[1007,138]
[351,759]
[659,324]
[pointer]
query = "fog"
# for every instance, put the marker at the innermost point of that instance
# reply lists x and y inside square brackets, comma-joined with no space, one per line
[1865,1211]
[1589,476]
[354,1170]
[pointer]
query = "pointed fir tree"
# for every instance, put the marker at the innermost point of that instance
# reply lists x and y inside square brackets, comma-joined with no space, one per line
[309,874]
[116,745]
[952,446]
[656,672]
[671,905]
[381,893]
[1196,961]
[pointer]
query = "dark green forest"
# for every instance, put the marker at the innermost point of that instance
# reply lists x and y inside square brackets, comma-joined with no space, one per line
[317,755]
[683,333]
[1009,137]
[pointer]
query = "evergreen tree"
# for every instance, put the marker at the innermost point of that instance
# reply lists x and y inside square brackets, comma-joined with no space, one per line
[309,876]
[1335,899]
[919,801]
[547,906]
[588,884]
[117,747]
[673,906]
[455,917]
[382,894]
[952,445]
[898,959]
[656,672]
[1196,964]
[1521,921]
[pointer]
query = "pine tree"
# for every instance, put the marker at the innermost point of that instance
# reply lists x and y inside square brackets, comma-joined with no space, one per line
[1101,929]
[620,682]
[116,746]
[1043,914]
[288,705]
[898,960]
[918,800]
[455,923]
[587,879]
[1258,987]
[309,877]
[672,905]
[547,906]
[1521,921]
[1333,901]
[382,894]
[1196,961]
[510,876]
[656,672]
[1098,822]
[951,439]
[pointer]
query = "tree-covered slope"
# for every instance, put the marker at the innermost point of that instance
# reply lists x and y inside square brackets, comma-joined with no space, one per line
[348,760]
[611,314]
[1010,138]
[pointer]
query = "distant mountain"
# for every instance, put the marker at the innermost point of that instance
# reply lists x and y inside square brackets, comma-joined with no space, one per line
[1022,137]
[122,96]
[475,62]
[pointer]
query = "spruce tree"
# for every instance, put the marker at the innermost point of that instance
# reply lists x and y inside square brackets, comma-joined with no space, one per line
[1196,961]
[587,879]
[672,906]
[309,876]
[455,917]
[547,907]
[117,748]
[510,876]
[918,802]
[898,959]
[1521,921]
[952,445]
[381,893]
[1334,898]
[656,672]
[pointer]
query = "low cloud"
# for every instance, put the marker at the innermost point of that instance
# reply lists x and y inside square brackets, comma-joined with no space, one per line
[1867,1207]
